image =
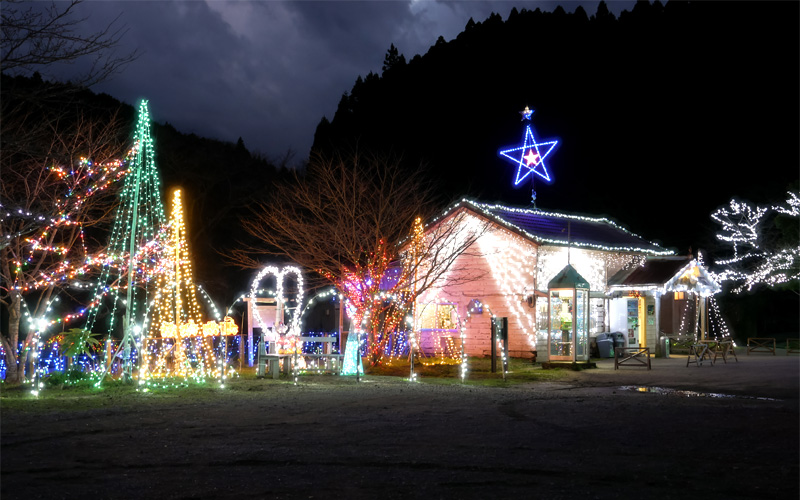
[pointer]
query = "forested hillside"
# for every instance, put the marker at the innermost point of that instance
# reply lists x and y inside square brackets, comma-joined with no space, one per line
[663,113]
[218,179]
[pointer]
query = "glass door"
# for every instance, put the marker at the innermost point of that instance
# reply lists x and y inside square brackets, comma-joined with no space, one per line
[581,324]
[633,322]
[562,327]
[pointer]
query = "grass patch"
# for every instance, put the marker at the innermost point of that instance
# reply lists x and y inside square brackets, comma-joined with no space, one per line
[479,372]
[60,392]
[87,394]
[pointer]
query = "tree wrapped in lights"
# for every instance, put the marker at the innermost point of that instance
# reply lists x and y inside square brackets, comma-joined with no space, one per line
[59,177]
[348,219]
[377,298]
[130,267]
[766,251]
[185,348]
[43,215]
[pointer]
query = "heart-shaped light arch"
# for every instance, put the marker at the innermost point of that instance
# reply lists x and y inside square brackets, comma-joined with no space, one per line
[280,274]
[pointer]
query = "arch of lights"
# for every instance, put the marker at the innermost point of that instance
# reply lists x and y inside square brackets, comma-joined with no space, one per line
[287,334]
[462,324]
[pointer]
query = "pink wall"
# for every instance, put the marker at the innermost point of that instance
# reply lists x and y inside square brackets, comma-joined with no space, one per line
[472,278]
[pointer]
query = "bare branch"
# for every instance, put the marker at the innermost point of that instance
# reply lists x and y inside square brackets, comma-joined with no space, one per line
[757,258]
[52,192]
[36,37]
[350,219]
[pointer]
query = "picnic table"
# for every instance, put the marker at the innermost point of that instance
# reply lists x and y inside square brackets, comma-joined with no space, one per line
[719,348]
[326,360]
[277,362]
[697,353]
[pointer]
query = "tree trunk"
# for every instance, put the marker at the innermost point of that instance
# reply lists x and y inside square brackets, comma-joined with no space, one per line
[14,372]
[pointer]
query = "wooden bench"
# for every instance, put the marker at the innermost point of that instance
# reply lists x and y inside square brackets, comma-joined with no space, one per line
[278,363]
[792,346]
[760,344]
[636,356]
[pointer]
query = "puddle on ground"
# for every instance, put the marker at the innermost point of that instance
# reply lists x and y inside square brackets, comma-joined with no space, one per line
[687,394]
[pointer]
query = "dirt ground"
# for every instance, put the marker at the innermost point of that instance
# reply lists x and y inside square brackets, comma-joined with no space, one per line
[585,434]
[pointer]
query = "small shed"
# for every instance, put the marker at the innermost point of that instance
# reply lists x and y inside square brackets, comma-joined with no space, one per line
[667,296]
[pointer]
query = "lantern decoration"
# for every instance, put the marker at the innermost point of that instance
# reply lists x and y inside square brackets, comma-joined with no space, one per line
[211,329]
[228,327]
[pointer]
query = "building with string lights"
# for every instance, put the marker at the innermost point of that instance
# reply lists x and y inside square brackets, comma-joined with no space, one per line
[549,281]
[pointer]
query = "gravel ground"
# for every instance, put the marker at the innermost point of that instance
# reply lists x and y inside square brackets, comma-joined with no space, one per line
[588,435]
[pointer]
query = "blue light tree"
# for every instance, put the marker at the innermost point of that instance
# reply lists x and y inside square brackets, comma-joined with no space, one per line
[353,364]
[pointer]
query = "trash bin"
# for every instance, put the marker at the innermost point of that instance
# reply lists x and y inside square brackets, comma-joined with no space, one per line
[619,340]
[664,346]
[605,346]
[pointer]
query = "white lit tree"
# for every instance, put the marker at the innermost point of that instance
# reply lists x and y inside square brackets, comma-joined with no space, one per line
[765,250]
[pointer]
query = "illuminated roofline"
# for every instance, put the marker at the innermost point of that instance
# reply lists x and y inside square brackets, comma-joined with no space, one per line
[483,210]
[669,285]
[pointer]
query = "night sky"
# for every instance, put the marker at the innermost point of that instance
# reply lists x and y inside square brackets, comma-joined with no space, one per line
[269,71]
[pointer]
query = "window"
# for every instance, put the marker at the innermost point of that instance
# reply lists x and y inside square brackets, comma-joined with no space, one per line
[442,316]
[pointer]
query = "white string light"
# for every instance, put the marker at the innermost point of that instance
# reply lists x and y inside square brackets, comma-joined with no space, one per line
[751,263]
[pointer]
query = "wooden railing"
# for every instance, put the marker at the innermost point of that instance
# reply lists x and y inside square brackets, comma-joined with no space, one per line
[636,356]
[760,344]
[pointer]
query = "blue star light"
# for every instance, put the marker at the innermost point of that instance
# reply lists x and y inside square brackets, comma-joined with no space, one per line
[529,157]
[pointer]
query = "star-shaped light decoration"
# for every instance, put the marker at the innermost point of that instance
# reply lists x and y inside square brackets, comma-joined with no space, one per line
[526,113]
[529,157]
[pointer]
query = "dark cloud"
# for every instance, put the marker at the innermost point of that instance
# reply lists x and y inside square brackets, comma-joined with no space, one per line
[268,71]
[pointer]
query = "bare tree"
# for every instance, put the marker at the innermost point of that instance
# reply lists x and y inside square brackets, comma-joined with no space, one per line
[759,249]
[351,220]
[53,194]
[37,36]
[49,196]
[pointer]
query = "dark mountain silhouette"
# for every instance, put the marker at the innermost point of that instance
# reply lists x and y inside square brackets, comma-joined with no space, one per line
[218,178]
[663,114]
